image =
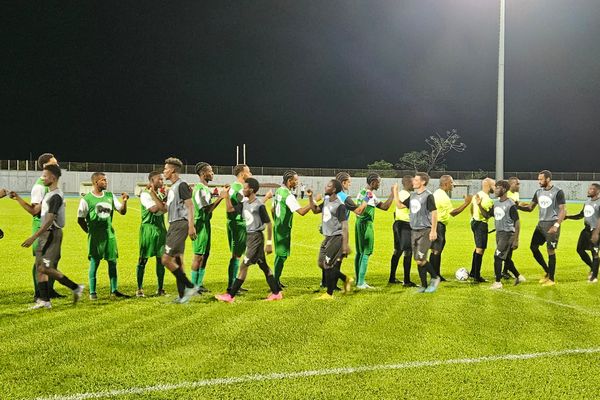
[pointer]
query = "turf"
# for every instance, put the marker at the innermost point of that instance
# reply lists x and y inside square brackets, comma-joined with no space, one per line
[122,344]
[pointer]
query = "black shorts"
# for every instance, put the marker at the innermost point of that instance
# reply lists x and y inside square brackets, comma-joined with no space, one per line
[330,251]
[439,243]
[480,233]
[255,248]
[48,251]
[176,237]
[401,231]
[541,235]
[504,242]
[585,241]
[420,243]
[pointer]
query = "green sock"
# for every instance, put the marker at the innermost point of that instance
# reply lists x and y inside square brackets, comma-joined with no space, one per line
[234,267]
[160,273]
[364,261]
[195,276]
[279,261]
[357,266]
[94,264]
[112,275]
[141,268]
[201,273]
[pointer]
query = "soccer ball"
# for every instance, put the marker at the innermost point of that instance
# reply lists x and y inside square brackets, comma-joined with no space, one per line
[461,274]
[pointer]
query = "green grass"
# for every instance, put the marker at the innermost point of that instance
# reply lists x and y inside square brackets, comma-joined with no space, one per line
[111,344]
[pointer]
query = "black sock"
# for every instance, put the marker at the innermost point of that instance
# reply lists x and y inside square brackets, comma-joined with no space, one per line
[478,261]
[43,287]
[394,265]
[498,268]
[539,258]
[273,284]
[435,260]
[51,285]
[595,265]
[331,279]
[180,285]
[585,257]
[407,264]
[323,283]
[429,268]
[422,274]
[237,284]
[473,265]
[184,279]
[509,265]
[68,283]
[551,266]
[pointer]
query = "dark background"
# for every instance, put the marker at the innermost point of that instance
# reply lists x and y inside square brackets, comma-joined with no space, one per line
[302,83]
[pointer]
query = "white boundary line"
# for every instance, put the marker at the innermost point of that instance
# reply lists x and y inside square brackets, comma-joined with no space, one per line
[311,373]
[553,302]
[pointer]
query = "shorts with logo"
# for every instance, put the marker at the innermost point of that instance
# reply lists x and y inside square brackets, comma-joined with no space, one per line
[176,237]
[541,235]
[47,253]
[330,251]
[401,230]
[439,243]
[480,233]
[504,241]
[255,248]
[420,243]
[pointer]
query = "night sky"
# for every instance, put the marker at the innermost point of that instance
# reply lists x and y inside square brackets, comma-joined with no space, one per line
[302,83]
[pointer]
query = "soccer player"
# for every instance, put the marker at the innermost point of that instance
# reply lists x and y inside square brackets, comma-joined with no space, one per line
[180,210]
[512,194]
[364,232]
[588,238]
[95,215]
[552,213]
[401,231]
[203,211]
[236,228]
[256,219]
[284,207]
[49,237]
[423,224]
[479,227]
[445,210]
[334,227]
[508,227]
[152,231]
[38,191]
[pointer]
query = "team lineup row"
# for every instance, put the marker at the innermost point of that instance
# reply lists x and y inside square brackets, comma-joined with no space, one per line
[419,229]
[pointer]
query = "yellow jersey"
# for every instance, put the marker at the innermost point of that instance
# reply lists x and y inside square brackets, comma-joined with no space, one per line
[443,205]
[486,203]
[402,214]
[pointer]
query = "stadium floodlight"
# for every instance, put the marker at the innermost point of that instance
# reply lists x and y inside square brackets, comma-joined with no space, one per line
[500,111]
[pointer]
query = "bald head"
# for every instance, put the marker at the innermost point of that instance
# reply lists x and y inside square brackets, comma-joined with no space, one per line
[487,185]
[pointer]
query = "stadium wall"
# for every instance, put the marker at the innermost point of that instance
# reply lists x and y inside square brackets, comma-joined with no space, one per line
[22,181]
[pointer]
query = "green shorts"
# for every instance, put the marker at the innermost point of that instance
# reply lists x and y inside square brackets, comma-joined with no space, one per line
[202,243]
[282,240]
[102,246]
[236,235]
[36,223]
[364,237]
[152,241]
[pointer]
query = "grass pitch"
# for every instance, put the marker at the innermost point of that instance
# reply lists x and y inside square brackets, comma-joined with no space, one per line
[138,347]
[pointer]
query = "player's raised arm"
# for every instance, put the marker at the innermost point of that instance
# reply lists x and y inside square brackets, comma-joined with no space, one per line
[576,216]
[462,207]
[121,206]
[159,205]
[386,204]
[486,213]
[33,209]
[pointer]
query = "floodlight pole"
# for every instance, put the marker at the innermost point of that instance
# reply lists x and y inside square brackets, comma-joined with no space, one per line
[500,112]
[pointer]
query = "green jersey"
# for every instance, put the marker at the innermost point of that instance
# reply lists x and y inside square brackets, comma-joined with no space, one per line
[148,217]
[368,214]
[201,197]
[98,212]
[285,205]
[38,191]
[236,195]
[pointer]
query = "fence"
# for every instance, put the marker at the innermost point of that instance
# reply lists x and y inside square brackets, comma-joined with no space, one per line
[22,165]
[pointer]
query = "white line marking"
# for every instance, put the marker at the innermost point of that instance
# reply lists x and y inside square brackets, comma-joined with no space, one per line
[553,302]
[310,373]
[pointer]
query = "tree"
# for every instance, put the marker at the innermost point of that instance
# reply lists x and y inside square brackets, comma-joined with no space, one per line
[435,158]
[381,165]
[415,160]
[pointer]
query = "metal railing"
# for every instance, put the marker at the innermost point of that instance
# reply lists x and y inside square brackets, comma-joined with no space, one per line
[302,171]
